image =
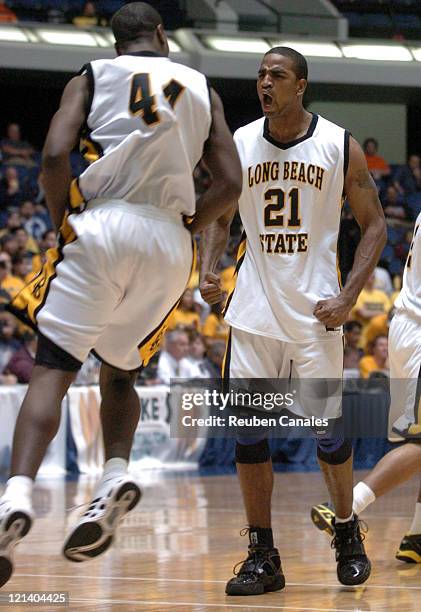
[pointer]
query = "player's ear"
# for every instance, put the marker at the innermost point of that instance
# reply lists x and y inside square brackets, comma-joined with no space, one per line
[162,38]
[301,86]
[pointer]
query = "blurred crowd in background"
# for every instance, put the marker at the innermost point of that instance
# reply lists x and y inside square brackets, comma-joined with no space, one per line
[195,342]
[82,13]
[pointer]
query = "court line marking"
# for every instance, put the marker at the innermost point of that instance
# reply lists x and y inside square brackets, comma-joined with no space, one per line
[154,509]
[208,605]
[195,580]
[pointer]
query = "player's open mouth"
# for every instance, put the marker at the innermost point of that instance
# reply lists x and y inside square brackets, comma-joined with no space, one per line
[267,99]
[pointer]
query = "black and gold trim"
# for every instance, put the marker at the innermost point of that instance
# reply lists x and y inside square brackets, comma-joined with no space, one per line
[415,428]
[89,149]
[292,143]
[241,253]
[27,303]
[226,364]
[347,136]
[149,345]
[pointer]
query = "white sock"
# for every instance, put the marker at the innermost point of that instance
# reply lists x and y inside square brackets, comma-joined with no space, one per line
[344,520]
[363,497]
[113,468]
[19,490]
[416,521]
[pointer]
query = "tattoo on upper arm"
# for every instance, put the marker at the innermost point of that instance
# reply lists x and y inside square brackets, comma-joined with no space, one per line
[364,179]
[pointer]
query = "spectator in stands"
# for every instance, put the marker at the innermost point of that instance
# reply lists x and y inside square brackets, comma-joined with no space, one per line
[11,191]
[89,17]
[6,15]
[382,280]
[352,352]
[196,356]
[394,205]
[8,282]
[377,165]
[215,358]
[378,326]
[22,267]
[15,150]
[173,362]
[9,244]
[370,303]
[34,223]
[8,343]
[13,221]
[215,327]
[22,361]
[378,361]
[408,178]
[26,244]
[186,315]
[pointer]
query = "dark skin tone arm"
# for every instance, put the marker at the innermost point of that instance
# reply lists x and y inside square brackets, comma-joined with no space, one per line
[221,157]
[63,134]
[364,201]
[212,246]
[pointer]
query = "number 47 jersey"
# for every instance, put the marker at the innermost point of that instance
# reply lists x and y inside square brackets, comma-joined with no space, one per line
[148,120]
[290,208]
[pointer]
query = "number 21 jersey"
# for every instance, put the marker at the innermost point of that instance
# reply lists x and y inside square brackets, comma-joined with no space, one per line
[290,208]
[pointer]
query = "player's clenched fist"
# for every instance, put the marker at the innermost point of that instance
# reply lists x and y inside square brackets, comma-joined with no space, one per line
[210,288]
[333,312]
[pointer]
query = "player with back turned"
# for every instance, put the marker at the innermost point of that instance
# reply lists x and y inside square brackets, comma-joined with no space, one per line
[287,307]
[123,259]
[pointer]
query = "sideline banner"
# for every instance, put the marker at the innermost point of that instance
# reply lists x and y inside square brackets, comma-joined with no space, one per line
[11,398]
[152,447]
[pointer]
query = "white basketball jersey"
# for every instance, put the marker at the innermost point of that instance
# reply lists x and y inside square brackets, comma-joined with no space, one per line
[409,298]
[149,119]
[290,208]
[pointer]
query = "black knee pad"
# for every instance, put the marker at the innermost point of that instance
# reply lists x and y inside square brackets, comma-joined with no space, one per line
[334,451]
[252,451]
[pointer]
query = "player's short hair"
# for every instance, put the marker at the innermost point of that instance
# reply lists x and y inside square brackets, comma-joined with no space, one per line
[299,61]
[134,21]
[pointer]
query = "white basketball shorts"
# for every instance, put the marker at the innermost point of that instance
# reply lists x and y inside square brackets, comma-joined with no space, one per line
[251,356]
[405,376]
[119,271]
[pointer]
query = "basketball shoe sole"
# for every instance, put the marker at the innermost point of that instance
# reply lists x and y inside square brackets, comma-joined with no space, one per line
[95,530]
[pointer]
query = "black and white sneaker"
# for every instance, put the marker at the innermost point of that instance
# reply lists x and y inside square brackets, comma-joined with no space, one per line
[260,573]
[353,565]
[94,532]
[15,522]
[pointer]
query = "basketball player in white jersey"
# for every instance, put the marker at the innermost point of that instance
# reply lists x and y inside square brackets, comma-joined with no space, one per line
[287,308]
[398,465]
[123,259]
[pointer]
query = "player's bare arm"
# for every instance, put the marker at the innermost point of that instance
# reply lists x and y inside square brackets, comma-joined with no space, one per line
[221,157]
[62,136]
[363,198]
[213,242]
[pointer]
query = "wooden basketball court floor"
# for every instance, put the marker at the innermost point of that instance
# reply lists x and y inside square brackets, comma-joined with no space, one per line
[177,549]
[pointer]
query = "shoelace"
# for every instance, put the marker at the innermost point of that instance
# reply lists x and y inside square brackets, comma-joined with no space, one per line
[253,553]
[361,535]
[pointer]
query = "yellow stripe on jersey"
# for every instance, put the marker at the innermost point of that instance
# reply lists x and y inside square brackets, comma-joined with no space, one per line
[28,302]
[76,199]
[149,346]
[241,253]
[90,150]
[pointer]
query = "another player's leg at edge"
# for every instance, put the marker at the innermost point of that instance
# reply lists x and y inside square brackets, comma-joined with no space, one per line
[392,470]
